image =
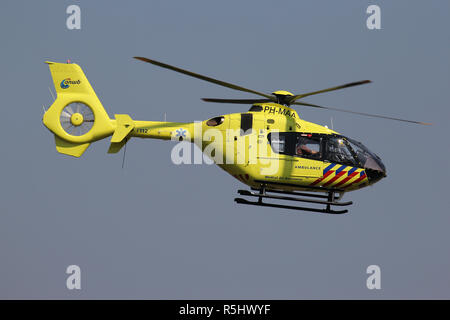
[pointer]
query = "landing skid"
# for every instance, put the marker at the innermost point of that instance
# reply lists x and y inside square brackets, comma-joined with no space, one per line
[331,200]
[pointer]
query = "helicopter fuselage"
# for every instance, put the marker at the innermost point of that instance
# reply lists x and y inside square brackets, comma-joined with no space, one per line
[271,145]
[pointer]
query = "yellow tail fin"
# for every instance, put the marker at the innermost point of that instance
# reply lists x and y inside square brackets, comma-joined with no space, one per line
[77,116]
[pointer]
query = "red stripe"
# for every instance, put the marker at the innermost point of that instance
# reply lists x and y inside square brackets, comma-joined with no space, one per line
[340,174]
[358,180]
[347,179]
[246,176]
[324,177]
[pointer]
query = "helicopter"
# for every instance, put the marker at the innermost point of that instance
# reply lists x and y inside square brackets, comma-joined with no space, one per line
[282,158]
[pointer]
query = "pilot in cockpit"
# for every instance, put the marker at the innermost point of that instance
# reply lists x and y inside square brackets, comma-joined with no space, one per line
[302,149]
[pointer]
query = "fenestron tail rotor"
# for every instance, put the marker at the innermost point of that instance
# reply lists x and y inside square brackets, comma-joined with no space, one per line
[281,97]
[77,118]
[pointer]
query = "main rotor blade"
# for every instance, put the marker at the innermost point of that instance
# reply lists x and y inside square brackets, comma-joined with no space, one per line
[360,113]
[347,85]
[237,101]
[199,76]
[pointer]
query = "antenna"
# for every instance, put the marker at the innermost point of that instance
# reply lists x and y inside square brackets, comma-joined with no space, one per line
[164,117]
[332,128]
[124,152]
[51,92]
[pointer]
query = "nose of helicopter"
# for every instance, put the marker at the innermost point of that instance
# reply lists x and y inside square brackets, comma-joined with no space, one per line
[374,169]
[372,164]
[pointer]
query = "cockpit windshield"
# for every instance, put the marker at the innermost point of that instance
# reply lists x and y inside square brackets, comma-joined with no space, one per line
[351,152]
[332,148]
[365,157]
[338,151]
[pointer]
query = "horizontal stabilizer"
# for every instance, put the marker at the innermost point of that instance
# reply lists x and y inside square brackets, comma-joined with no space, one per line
[124,125]
[115,147]
[70,148]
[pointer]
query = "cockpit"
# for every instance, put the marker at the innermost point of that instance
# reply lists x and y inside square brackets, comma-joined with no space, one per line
[331,148]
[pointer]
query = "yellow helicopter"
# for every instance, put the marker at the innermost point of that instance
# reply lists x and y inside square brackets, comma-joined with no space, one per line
[280,156]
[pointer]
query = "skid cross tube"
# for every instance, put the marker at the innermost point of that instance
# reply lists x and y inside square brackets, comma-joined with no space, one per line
[297,193]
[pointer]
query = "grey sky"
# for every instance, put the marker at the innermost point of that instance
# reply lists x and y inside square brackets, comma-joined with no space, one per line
[157,230]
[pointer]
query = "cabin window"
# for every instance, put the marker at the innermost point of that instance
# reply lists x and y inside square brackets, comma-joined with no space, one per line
[246,123]
[215,121]
[308,146]
[277,141]
[296,144]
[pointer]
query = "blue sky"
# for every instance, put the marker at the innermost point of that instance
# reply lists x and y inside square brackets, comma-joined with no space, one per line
[156,230]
